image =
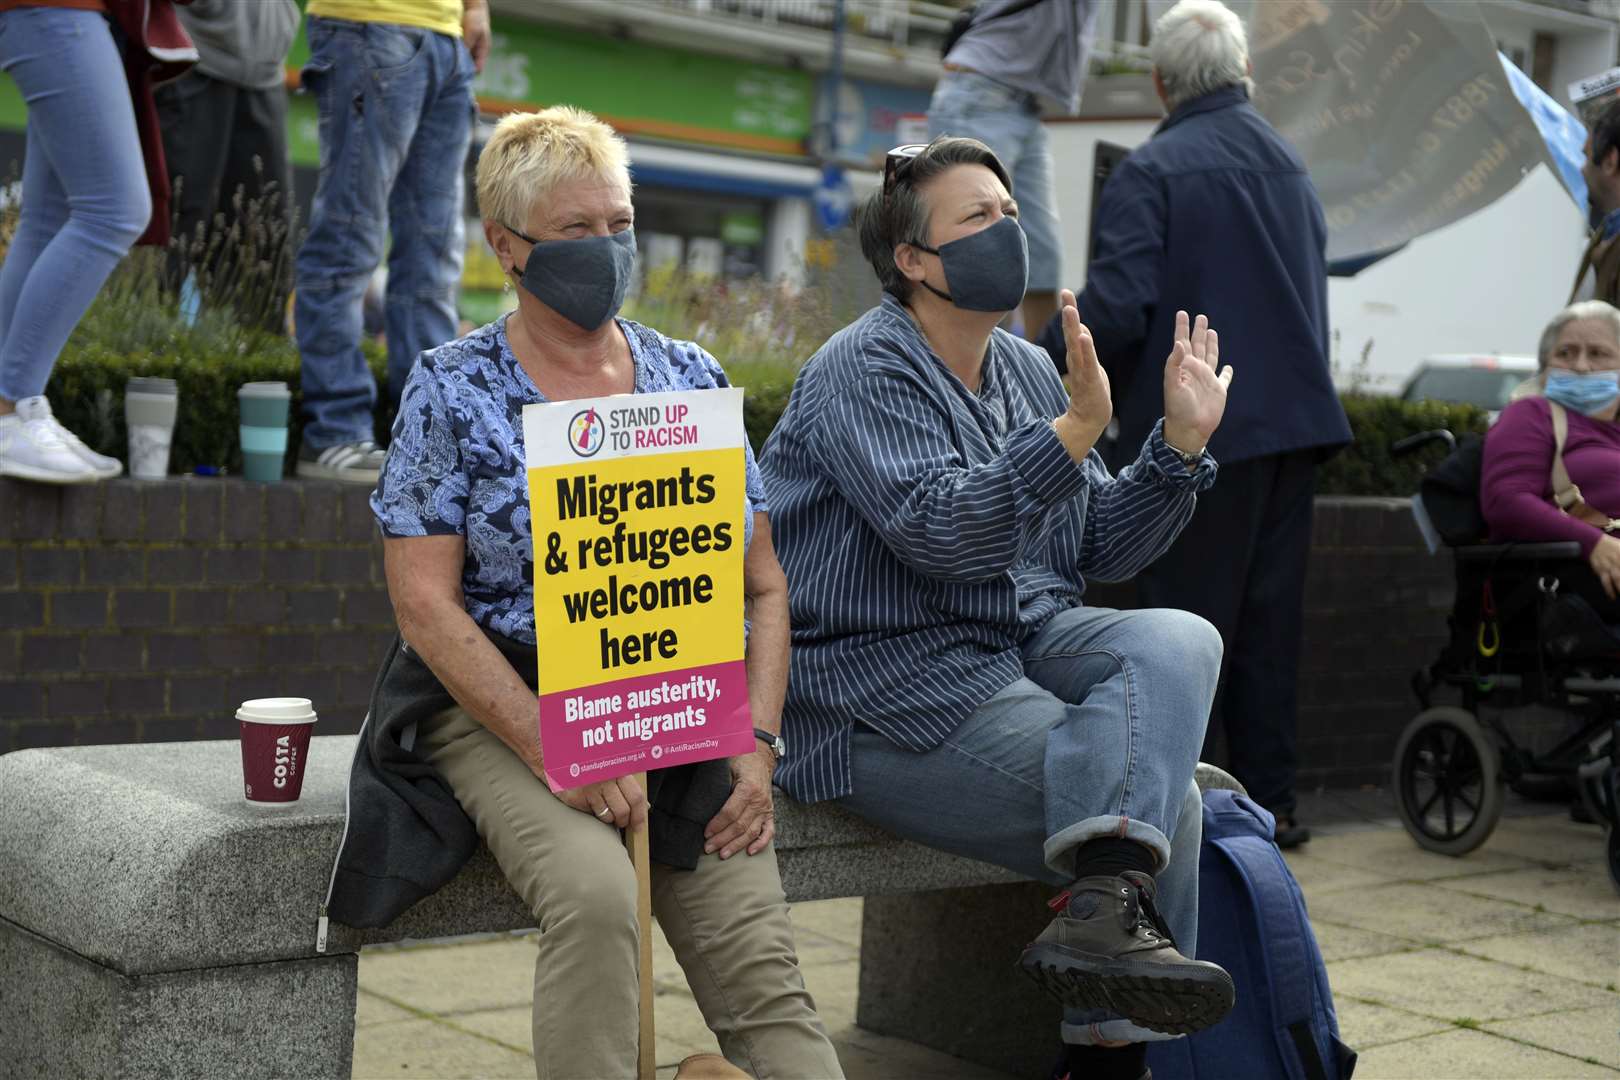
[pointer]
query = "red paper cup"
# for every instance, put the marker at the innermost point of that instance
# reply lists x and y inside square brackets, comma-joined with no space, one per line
[275,748]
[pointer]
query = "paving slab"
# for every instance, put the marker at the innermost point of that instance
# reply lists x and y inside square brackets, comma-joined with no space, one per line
[1321,876]
[1549,839]
[680,1029]
[1363,1025]
[1375,898]
[1471,1055]
[1588,953]
[449,979]
[512,1027]
[1450,986]
[1588,1033]
[1392,853]
[370,1009]
[839,920]
[1582,889]
[1345,942]
[427,1048]
[866,1056]
[1420,912]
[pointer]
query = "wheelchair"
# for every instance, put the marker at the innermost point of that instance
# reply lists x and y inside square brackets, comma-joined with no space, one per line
[1517,639]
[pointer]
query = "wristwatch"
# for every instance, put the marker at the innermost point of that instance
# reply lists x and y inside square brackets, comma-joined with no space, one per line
[777,746]
[1189,460]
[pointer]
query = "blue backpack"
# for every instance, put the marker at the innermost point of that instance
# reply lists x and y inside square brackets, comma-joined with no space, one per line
[1252,922]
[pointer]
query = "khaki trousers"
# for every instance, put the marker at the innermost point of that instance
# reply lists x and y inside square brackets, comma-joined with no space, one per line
[726,921]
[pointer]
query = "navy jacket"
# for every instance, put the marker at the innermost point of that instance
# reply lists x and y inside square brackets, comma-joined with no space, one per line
[1215,214]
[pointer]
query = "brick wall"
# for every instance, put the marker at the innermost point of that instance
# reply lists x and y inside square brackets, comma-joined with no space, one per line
[138,611]
[142,612]
[1375,612]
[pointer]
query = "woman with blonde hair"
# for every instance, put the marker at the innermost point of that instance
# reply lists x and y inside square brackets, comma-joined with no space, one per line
[456,703]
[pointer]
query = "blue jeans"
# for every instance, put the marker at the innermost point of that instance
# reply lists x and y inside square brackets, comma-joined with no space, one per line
[1009,123]
[1099,738]
[396,111]
[85,198]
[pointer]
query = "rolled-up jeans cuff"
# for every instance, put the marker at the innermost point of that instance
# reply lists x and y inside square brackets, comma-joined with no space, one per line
[1114,1030]
[1059,852]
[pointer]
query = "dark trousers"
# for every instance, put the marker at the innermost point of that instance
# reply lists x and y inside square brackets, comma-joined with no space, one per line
[226,149]
[1240,563]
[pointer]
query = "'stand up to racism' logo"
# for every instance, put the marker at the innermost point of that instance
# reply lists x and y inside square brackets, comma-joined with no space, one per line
[586,432]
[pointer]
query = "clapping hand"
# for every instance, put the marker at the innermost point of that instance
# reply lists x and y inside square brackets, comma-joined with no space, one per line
[1091,405]
[1194,387]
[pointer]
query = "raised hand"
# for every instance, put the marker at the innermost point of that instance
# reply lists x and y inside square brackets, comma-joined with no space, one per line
[1091,405]
[1194,385]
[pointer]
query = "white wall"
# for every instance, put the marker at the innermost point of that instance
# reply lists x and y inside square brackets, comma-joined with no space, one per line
[1487,283]
[1073,145]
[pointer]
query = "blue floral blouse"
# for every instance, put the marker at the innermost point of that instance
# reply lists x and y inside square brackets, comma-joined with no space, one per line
[456,463]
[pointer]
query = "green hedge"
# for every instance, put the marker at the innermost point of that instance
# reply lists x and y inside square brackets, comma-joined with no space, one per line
[86,391]
[761,333]
[1367,467]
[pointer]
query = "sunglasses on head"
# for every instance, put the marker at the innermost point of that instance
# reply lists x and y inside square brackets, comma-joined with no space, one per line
[898,163]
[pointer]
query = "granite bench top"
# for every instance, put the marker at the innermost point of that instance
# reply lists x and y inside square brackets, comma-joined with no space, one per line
[145,858]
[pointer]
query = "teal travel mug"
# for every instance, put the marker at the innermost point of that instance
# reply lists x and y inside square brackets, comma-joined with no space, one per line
[264,407]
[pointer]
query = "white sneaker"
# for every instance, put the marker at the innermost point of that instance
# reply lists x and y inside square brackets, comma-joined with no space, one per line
[352,462]
[32,447]
[108,467]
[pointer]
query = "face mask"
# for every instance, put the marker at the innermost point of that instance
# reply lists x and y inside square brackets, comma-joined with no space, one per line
[986,271]
[582,280]
[1586,394]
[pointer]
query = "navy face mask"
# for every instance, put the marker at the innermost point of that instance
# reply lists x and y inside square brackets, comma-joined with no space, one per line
[582,280]
[986,271]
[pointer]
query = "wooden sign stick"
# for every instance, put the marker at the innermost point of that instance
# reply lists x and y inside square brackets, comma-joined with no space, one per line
[641,856]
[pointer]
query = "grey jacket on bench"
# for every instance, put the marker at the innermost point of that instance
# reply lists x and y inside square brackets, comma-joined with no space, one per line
[405,836]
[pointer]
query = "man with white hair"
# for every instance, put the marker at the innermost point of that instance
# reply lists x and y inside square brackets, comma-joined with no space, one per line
[1215,213]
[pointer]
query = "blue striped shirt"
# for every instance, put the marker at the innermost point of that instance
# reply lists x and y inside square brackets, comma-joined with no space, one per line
[926,531]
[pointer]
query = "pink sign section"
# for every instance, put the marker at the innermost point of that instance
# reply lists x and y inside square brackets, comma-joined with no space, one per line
[599,732]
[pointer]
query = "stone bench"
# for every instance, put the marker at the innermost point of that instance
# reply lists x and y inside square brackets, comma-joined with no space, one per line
[154,924]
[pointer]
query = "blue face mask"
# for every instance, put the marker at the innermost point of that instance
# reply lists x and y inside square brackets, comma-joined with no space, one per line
[1586,394]
[986,271]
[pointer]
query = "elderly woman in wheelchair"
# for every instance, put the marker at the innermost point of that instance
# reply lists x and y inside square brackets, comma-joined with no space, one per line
[1536,617]
[1552,461]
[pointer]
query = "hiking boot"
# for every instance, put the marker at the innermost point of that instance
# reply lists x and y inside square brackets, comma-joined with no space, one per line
[1291,834]
[1109,949]
[357,462]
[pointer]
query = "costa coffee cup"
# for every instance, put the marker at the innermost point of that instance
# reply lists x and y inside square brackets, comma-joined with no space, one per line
[275,748]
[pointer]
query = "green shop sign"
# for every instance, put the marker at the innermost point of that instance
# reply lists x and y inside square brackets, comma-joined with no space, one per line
[641,89]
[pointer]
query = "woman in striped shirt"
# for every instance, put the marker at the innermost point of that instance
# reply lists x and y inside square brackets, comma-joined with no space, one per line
[938,507]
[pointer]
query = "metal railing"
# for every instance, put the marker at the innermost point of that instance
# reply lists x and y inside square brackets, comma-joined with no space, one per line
[917,24]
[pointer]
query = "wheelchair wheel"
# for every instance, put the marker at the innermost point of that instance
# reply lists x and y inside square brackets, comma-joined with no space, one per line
[1614,856]
[1447,781]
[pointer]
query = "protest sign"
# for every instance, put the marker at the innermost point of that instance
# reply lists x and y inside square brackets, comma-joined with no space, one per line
[638,504]
[1400,108]
[1593,94]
